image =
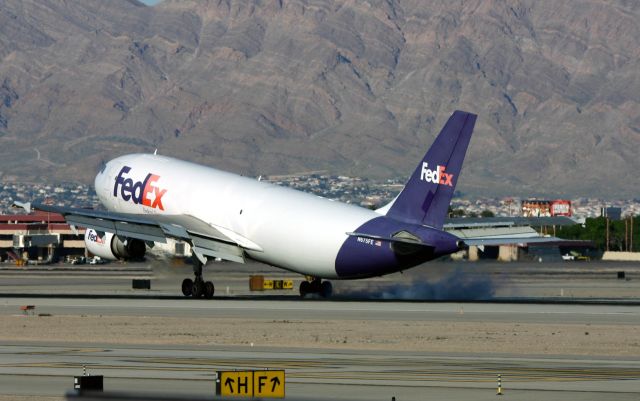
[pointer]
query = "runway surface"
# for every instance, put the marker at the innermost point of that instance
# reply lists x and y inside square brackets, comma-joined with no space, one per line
[320,309]
[46,368]
[433,281]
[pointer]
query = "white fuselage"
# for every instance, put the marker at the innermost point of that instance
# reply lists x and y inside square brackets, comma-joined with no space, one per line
[276,225]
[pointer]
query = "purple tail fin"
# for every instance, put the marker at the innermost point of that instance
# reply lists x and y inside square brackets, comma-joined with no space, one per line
[426,197]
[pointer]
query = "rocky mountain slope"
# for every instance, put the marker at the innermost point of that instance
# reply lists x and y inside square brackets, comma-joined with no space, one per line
[353,87]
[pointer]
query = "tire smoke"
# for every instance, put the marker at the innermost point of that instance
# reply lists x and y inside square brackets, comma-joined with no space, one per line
[455,285]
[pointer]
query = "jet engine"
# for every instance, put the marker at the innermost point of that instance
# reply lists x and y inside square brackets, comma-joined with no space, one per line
[110,246]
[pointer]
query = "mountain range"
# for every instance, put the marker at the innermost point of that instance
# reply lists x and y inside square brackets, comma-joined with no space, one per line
[352,87]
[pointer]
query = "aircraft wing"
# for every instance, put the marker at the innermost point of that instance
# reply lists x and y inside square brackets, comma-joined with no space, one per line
[205,239]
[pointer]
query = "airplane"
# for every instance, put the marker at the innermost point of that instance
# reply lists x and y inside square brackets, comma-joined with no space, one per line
[149,198]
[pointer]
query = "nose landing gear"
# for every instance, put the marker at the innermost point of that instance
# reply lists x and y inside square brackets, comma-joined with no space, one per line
[198,287]
[316,286]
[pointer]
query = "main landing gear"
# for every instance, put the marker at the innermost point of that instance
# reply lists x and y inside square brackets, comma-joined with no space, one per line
[198,287]
[314,285]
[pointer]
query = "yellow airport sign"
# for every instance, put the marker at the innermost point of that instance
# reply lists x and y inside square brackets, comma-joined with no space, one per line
[251,383]
[236,384]
[268,383]
[277,285]
[287,284]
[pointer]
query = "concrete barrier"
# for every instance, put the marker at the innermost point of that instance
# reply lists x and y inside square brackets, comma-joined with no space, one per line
[508,253]
[622,256]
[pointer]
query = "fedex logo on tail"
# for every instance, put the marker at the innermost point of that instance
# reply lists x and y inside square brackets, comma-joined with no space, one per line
[145,192]
[438,176]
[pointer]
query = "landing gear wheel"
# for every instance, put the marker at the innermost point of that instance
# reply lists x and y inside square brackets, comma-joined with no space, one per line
[187,287]
[305,288]
[208,290]
[326,289]
[198,289]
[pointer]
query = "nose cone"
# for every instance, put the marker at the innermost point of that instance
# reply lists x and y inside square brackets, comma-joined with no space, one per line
[101,182]
[97,182]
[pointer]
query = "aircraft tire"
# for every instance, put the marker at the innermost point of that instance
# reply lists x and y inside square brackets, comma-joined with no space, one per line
[326,289]
[187,287]
[305,288]
[208,290]
[198,289]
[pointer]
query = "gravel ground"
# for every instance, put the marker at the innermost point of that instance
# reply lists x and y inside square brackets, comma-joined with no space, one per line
[432,336]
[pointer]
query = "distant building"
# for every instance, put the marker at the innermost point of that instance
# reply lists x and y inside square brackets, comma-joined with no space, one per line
[561,207]
[39,237]
[546,208]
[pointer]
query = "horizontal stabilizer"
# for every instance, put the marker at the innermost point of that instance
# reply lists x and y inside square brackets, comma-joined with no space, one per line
[402,246]
[522,241]
[389,239]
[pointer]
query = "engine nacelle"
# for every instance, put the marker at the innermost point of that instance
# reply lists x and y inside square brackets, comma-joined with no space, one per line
[109,246]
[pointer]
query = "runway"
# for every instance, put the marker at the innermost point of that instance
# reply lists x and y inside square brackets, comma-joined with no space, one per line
[334,310]
[346,348]
[487,281]
[46,367]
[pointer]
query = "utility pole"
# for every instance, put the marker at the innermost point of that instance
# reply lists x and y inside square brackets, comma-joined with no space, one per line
[631,235]
[626,235]
[606,248]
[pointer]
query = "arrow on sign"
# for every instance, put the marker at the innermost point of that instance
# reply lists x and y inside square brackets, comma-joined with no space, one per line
[229,383]
[275,382]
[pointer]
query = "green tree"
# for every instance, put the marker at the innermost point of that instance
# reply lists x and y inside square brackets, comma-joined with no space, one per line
[487,213]
[456,212]
[595,229]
